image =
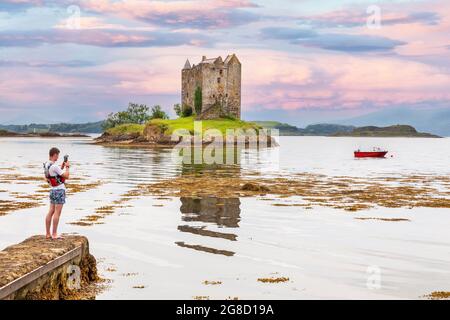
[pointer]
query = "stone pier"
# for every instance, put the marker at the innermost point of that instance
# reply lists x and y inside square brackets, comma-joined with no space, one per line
[40,268]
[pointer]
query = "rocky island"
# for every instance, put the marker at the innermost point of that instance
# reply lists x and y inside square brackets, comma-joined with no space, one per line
[158,132]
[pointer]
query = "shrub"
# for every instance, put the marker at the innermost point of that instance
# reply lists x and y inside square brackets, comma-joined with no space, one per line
[177,109]
[186,111]
[158,113]
[229,117]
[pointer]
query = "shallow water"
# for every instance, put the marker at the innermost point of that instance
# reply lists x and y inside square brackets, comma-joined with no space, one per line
[171,245]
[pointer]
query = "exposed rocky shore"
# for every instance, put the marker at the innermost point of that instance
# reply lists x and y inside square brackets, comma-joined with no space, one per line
[309,190]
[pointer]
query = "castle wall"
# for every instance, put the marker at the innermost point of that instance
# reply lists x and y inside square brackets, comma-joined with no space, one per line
[190,79]
[233,105]
[214,84]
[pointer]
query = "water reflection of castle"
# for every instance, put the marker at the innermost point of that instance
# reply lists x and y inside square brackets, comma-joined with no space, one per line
[225,213]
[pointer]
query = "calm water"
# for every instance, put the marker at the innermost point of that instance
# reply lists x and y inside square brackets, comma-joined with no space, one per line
[171,246]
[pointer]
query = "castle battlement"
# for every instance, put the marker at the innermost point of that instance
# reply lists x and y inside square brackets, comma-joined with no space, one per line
[220,84]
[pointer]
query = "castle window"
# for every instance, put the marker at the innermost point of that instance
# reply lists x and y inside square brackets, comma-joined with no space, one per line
[221,72]
[226,95]
[218,80]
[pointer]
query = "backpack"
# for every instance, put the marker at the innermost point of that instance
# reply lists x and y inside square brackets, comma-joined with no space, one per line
[53,181]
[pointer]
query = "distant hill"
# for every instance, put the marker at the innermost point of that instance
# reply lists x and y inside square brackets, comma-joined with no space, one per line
[391,131]
[433,120]
[323,129]
[284,128]
[91,127]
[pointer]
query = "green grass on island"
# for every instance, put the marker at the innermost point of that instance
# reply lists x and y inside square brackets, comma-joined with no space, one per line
[186,123]
[129,128]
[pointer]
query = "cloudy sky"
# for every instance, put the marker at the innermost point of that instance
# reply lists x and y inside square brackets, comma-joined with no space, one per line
[303,60]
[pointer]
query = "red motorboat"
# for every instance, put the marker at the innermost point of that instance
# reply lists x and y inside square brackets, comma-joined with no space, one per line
[376,153]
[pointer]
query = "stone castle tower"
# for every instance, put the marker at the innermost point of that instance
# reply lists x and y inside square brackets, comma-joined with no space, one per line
[220,85]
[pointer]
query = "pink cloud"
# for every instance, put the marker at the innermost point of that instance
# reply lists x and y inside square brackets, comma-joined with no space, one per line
[194,13]
[101,38]
[423,26]
[96,23]
[342,81]
[28,86]
[28,2]
[290,79]
[271,80]
[137,7]
[357,16]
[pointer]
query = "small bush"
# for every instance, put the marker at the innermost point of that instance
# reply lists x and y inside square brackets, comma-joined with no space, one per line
[163,127]
[229,117]
[158,113]
[186,111]
[178,110]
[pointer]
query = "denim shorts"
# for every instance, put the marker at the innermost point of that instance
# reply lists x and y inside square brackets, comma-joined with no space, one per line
[58,196]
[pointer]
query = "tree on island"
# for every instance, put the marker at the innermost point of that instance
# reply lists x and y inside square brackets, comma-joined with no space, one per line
[177,109]
[135,114]
[157,113]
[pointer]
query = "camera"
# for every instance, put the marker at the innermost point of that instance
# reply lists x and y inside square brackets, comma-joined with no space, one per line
[66,158]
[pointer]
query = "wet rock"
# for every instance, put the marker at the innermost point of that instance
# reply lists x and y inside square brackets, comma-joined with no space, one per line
[249,186]
[140,139]
[155,134]
[126,137]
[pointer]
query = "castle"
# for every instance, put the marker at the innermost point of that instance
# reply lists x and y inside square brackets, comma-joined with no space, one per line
[219,83]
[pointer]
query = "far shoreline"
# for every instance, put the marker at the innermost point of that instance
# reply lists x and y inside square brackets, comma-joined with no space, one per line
[58,136]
